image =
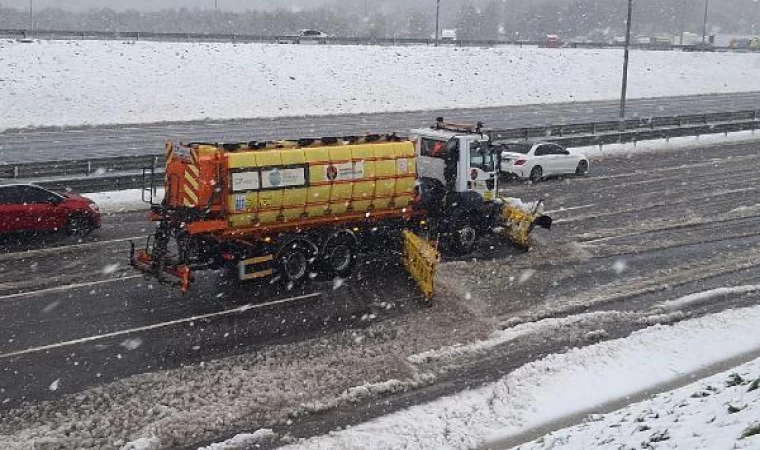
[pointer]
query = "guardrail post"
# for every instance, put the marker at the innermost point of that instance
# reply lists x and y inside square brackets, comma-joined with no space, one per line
[89,168]
[15,171]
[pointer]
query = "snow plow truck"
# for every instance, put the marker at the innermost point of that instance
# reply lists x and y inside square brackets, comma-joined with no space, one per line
[291,208]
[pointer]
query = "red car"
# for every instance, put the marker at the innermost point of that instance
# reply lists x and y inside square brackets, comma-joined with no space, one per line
[25,207]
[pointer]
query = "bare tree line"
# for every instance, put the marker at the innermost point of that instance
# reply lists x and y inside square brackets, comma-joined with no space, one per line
[473,19]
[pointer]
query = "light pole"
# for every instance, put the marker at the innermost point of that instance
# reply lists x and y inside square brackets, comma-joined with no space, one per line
[704,23]
[437,20]
[683,22]
[625,62]
[31,15]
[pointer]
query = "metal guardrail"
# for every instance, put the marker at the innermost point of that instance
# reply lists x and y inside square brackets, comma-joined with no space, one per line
[97,184]
[15,33]
[237,38]
[639,125]
[95,166]
[103,174]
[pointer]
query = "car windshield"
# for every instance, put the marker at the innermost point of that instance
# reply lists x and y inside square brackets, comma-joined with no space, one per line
[517,148]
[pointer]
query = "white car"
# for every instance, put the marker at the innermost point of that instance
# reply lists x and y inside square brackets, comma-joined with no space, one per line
[535,161]
[304,37]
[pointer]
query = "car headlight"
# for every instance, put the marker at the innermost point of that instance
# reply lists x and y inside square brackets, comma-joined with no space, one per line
[94,207]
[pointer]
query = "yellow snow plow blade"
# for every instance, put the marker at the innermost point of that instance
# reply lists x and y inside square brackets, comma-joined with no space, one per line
[421,261]
[518,220]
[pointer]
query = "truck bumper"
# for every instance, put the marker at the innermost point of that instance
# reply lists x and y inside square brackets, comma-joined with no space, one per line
[178,275]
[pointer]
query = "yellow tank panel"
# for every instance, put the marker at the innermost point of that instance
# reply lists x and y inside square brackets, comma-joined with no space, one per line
[242,220]
[292,184]
[293,157]
[241,160]
[318,192]
[364,191]
[406,172]
[385,171]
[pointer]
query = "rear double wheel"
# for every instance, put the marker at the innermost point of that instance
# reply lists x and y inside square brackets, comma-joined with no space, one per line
[340,255]
[293,262]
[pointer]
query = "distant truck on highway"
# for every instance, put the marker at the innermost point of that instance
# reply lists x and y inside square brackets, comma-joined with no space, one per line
[306,36]
[449,36]
[287,209]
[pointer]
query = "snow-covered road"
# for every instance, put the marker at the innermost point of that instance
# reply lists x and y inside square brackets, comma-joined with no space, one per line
[583,379]
[625,254]
[100,82]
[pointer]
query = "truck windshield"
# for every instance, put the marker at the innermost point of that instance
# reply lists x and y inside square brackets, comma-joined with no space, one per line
[481,157]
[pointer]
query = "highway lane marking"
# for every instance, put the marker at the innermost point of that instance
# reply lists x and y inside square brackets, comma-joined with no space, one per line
[571,208]
[43,251]
[68,287]
[241,309]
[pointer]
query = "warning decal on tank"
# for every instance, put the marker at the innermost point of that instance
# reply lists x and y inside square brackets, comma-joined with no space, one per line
[345,171]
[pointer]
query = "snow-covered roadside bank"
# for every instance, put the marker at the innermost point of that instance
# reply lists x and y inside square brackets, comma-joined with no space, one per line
[558,386]
[120,201]
[719,412]
[663,145]
[57,83]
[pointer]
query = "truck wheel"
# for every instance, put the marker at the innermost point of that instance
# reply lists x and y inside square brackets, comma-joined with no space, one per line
[293,263]
[339,256]
[465,239]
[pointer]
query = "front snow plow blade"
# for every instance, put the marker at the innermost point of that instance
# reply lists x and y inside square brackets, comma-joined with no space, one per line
[421,261]
[518,219]
[177,275]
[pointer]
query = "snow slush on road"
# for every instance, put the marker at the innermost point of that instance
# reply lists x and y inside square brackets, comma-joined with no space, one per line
[287,209]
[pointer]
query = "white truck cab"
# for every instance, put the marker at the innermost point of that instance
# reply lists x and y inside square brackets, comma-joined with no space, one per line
[459,157]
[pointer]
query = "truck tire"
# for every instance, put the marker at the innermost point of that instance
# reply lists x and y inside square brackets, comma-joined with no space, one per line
[340,254]
[293,262]
[464,239]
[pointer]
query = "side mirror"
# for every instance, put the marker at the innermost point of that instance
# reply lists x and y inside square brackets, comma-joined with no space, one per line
[55,200]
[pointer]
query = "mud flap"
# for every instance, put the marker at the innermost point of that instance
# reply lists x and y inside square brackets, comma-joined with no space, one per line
[517,221]
[172,275]
[421,261]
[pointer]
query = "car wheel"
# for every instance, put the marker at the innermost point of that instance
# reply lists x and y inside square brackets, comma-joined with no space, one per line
[78,225]
[582,169]
[536,174]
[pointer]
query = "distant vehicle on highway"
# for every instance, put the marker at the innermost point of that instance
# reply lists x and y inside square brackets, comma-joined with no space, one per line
[449,35]
[643,40]
[26,207]
[305,37]
[553,41]
[537,160]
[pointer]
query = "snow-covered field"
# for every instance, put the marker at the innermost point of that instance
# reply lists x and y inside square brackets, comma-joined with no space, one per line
[560,386]
[121,201]
[720,412]
[98,82]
